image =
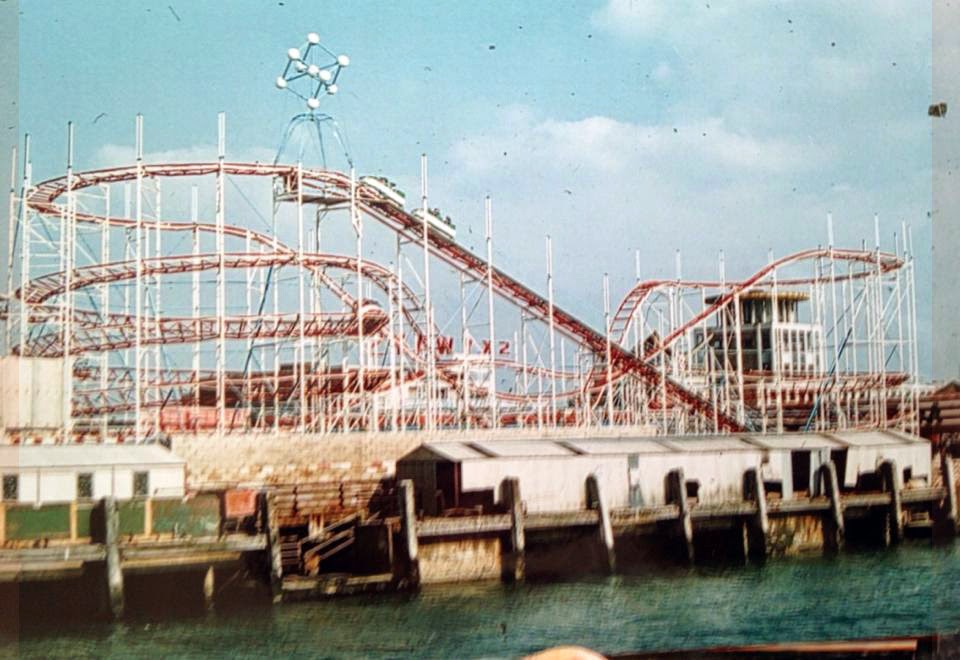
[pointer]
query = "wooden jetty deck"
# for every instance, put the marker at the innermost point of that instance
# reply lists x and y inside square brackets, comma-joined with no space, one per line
[321,540]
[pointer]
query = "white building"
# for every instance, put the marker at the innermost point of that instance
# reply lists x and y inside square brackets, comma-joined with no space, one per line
[632,471]
[40,474]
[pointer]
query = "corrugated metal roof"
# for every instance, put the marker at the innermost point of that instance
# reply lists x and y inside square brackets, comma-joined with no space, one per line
[711,443]
[617,446]
[795,441]
[454,451]
[53,456]
[873,438]
[522,448]
[532,448]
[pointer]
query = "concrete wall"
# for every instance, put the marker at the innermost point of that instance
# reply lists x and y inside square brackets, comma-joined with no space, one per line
[720,475]
[461,560]
[795,535]
[289,457]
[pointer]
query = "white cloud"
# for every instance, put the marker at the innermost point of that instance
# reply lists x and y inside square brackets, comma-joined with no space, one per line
[604,145]
[661,72]
[604,187]
[630,17]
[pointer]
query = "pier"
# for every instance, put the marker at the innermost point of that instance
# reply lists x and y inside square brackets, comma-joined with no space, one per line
[485,510]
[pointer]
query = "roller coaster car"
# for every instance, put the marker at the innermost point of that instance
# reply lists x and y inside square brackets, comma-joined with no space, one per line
[368,307]
[437,221]
[386,189]
[285,185]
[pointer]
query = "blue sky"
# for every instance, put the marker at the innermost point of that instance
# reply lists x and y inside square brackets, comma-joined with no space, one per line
[611,125]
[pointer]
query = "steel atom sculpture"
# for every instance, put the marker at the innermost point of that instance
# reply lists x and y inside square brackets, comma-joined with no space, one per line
[312,71]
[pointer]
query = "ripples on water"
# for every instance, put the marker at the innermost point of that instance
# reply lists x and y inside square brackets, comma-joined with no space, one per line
[910,590]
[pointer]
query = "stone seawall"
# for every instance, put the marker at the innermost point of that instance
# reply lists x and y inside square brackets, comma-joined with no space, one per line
[288,458]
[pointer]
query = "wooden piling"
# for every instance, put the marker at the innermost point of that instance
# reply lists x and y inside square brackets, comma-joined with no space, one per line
[833,520]
[677,494]
[595,501]
[73,520]
[114,572]
[890,478]
[208,587]
[759,525]
[272,527]
[410,578]
[148,516]
[948,510]
[514,568]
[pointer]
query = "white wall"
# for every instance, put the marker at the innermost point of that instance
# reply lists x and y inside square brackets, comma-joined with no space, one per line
[31,393]
[868,459]
[28,487]
[551,483]
[167,482]
[60,484]
[720,474]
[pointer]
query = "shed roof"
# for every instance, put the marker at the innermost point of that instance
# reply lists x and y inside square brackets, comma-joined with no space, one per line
[617,446]
[63,456]
[795,441]
[707,444]
[875,438]
[463,450]
[453,451]
[522,448]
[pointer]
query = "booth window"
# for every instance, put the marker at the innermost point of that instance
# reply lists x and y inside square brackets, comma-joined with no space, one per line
[11,487]
[141,484]
[85,486]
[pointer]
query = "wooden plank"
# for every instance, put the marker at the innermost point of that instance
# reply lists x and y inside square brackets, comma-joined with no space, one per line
[634,517]
[33,571]
[83,552]
[304,587]
[177,562]
[798,505]
[913,495]
[236,543]
[433,527]
[326,543]
[564,519]
[727,510]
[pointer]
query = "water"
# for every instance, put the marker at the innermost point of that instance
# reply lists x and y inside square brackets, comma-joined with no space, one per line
[909,590]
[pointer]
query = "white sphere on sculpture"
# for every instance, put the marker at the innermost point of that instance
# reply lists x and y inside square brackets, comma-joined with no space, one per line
[313,70]
[313,103]
[325,75]
[332,89]
[313,38]
[293,53]
[343,60]
[300,66]
[281,82]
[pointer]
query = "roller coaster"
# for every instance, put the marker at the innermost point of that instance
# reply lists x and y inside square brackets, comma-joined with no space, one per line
[206,322]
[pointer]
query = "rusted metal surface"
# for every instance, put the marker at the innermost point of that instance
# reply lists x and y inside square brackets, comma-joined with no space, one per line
[239,503]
